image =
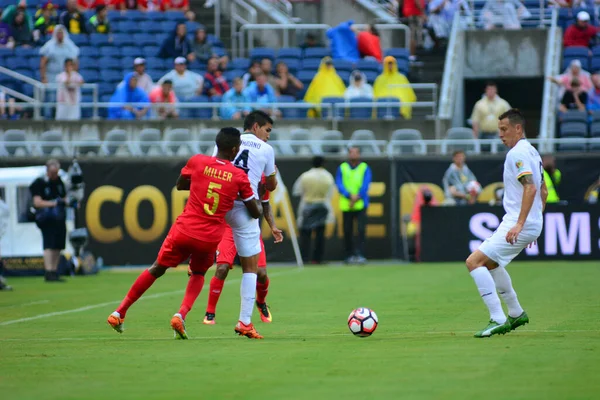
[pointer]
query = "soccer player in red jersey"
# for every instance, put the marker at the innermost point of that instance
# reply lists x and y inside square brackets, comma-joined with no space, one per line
[226,253]
[214,184]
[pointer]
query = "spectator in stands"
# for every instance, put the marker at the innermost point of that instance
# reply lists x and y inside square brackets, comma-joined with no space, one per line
[69,93]
[574,98]
[573,71]
[98,23]
[6,39]
[176,5]
[414,12]
[253,71]
[203,50]
[88,5]
[262,92]
[506,14]
[484,117]
[9,13]
[358,86]
[72,19]
[552,178]
[231,103]
[215,83]
[266,66]
[326,83]
[165,96]
[140,5]
[310,41]
[581,32]
[441,15]
[286,83]
[369,44]
[144,80]
[177,45]
[186,84]
[593,103]
[46,20]
[592,193]
[7,107]
[124,98]
[456,181]
[54,54]
[190,16]
[20,30]
[386,85]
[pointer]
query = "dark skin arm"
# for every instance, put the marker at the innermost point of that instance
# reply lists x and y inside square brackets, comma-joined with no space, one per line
[271,183]
[529,192]
[268,214]
[183,183]
[254,207]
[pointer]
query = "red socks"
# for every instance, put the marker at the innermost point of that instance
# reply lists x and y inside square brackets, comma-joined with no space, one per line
[261,291]
[216,287]
[193,289]
[141,284]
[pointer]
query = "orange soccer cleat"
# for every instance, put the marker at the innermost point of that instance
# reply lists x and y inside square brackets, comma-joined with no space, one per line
[116,322]
[247,330]
[209,319]
[178,325]
[265,312]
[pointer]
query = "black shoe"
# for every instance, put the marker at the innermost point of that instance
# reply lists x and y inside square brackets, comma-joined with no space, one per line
[209,319]
[53,277]
[264,311]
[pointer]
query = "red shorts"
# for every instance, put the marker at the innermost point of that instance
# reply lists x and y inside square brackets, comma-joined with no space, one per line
[178,246]
[226,251]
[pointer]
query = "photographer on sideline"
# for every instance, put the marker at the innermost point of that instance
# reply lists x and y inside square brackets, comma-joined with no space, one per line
[49,199]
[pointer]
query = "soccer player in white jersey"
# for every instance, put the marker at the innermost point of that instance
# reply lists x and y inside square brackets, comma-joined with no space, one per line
[524,201]
[256,157]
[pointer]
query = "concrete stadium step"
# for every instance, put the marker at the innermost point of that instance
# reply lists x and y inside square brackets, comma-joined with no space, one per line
[206,16]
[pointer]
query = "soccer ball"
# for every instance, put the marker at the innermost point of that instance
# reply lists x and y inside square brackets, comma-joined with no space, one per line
[474,188]
[362,322]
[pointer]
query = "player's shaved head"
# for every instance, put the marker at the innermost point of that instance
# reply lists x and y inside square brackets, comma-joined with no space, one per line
[228,142]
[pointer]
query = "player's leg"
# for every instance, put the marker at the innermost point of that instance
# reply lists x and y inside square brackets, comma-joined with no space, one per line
[317,256]
[169,256]
[516,315]
[348,222]
[262,286]
[305,244]
[477,264]
[226,253]
[361,221]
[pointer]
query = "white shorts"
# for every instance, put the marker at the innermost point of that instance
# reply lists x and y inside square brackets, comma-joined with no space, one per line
[500,251]
[246,230]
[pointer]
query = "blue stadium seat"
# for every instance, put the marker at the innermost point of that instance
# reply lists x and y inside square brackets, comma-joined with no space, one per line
[367,65]
[595,130]
[338,112]
[397,53]
[17,63]
[150,26]
[157,63]
[595,65]
[167,26]
[262,52]
[294,113]
[573,129]
[131,28]
[216,98]
[106,88]
[371,76]
[345,75]
[309,64]
[105,63]
[576,51]
[305,77]
[90,75]
[25,71]
[110,51]
[229,75]
[131,51]
[89,51]
[404,66]
[33,63]
[192,26]
[27,52]
[343,65]
[155,74]
[292,52]
[388,112]
[135,15]
[219,51]
[596,51]
[572,147]
[123,39]
[174,16]
[293,64]
[150,51]
[584,62]
[239,63]
[199,113]
[127,63]
[316,52]
[80,40]
[574,116]
[98,40]
[361,112]
[112,76]
[88,63]
[115,27]
[115,15]
[142,39]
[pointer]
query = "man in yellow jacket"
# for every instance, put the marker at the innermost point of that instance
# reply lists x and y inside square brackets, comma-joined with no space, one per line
[353,179]
[552,178]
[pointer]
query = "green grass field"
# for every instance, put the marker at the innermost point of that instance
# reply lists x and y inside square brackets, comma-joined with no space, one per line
[55,343]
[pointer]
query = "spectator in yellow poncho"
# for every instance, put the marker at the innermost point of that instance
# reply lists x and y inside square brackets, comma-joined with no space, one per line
[391,76]
[326,83]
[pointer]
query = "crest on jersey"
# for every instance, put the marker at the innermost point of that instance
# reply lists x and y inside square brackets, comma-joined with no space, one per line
[519,165]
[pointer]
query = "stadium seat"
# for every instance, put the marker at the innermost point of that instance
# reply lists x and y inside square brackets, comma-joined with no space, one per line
[87,63]
[304,142]
[236,73]
[364,139]
[262,52]
[361,112]
[155,74]
[316,52]
[367,65]
[115,140]
[15,139]
[404,66]
[148,139]
[192,26]
[575,51]
[389,112]
[110,51]
[52,141]
[155,16]
[176,16]
[207,137]
[595,116]
[87,112]
[371,76]
[179,139]
[460,139]
[585,62]
[106,88]
[150,26]
[331,136]
[112,76]
[343,65]
[199,112]
[167,26]
[99,40]
[109,63]
[292,52]
[144,39]
[573,129]
[292,64]
[574,116]
[90,75]
[135,15]
[398,142]
[311,64]
[345,76]
[17,63]
[306,77]
[219,51]
[215,41]
[572,147]
[150,51]
[397,53]
[131,28]
[338,111]
[239,63]
[293,112]
[80,40]
[595,64]
[89,51]
[595,130]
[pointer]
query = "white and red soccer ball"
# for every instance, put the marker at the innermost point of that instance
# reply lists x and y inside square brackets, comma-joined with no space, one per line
[474,188]
[363,322]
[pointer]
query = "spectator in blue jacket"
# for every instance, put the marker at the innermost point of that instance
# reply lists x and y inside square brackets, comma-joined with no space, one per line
[231,107]
[177,45]
[261,92]
[125,96]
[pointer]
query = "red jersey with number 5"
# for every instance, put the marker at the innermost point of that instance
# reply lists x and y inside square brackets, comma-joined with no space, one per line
[215,184]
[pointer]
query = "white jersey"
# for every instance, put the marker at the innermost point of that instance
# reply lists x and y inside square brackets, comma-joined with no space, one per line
[255,158]
[521,160]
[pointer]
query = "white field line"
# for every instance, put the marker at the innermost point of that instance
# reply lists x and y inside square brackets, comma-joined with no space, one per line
[406,335]
[31,303]
[108,303]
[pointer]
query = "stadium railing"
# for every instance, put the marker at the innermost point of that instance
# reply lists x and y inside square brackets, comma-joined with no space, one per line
[551,68]
[240,18]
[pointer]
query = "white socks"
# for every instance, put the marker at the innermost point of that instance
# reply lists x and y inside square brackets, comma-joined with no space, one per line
[487,289]
[248,295]
[506,291]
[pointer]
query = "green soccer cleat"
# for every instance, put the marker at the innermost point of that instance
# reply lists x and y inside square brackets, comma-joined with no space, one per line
[493,328]
[516,322]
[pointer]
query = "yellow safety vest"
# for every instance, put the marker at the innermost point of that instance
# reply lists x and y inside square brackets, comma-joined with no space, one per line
[552,193]
[352,179]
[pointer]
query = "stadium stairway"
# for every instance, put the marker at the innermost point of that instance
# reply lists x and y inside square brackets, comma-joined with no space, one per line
[206,16]
[429,67]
